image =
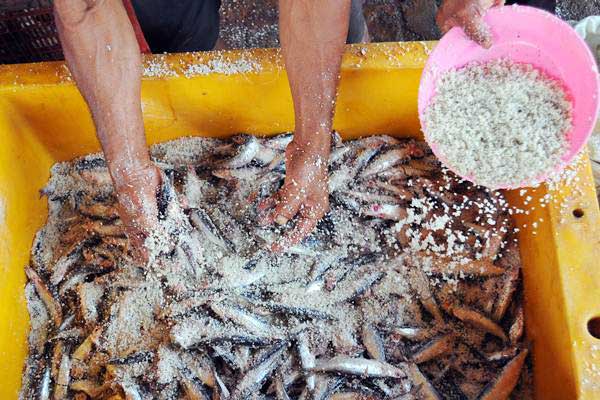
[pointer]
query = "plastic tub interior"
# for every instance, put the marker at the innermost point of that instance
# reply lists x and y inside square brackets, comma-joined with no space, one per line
[43,119]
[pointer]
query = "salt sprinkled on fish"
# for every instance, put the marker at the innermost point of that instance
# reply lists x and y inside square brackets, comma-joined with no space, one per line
[409,287]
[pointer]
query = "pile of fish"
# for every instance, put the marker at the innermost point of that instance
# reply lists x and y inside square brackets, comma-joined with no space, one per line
[409,288]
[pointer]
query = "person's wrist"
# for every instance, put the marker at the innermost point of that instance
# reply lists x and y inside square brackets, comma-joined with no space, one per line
[134,175]
[313,140]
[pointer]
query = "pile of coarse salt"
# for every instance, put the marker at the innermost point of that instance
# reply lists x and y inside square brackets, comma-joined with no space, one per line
[500,123]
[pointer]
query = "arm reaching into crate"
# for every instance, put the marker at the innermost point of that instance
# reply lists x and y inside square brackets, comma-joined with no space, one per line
[104,58]
[468,14]
[313,34]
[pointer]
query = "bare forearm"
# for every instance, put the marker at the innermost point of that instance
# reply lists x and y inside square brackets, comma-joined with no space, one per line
[313,34]
[103,56]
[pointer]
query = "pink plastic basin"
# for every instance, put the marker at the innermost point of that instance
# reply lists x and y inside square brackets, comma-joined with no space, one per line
[524,35]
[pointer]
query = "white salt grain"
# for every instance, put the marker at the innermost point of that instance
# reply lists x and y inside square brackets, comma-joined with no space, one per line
[499,123]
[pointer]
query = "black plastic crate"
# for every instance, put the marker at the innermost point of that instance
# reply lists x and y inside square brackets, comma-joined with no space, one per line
[29,34]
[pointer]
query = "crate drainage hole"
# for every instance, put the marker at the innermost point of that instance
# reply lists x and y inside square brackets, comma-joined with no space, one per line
[578,213]
[594,327]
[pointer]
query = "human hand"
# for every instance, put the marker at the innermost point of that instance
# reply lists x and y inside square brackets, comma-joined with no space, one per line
[137,205]
[304,195]
[468,14]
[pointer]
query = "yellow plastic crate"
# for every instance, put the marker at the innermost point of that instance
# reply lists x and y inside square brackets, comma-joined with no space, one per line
[43,119]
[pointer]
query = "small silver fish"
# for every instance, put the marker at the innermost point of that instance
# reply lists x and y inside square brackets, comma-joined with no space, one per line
[202,221]
[201,331]
[359,366]
[279,142]
[44,388]
[260,371]
[372,342]
[385,160]
[244,152]
[307,358]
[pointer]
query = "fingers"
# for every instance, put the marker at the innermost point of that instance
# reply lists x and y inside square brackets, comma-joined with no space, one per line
[444,23]
[267,203]
[288,205]
[469,16]
[308,218]
[477,31]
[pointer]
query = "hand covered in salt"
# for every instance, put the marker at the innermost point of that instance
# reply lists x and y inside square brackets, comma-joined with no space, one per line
[467,14]
[304,194]
[136,192]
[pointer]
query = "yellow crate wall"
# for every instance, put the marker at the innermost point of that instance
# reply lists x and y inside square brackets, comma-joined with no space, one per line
[43,119]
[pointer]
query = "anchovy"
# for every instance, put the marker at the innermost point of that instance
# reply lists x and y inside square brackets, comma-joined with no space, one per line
[372,342]
[186,255]
[202,221]
[349,396]
[338,153]
[372,198]
[62,381]
[46,296]
[322,265]
[501,355]
[68,334]
[199,367]
[82,352]
[134,358]
[101,228]
[132,391]
[252,323]
[243,355]
[297,310]
[425,388]
[63,265]
[260,371]
[353,288]
[341,177]
[516,329]
[420,284]
[222,388]
[194,391]
[347,202]
[98,211]
[197,331]
[307,358]
[226,352]
[325,387]
[397,190]
[238,173]
[244,153]
[277,165]
[386,160]
[44,387]
[410,333]
[280,390]
[279,142]
[433,349]
[447,266]
[476,319]
[505,383]
[359,366]
[506,292]
[390,212]
[265,155]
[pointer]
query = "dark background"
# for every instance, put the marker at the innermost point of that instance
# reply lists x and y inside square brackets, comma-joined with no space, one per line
[27,31]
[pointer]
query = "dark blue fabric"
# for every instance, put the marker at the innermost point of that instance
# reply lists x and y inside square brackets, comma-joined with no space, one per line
[179,25]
